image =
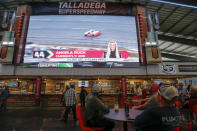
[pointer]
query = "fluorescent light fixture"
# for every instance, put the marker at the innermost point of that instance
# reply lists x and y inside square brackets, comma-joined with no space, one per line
[173,3]
[5,43]
[11,43]
[148,43]
[154,43]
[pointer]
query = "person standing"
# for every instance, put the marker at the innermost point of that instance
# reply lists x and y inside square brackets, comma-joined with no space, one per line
[83,94]
[4,96]
[138,90]
[62,101]
[70,102]
[183,93]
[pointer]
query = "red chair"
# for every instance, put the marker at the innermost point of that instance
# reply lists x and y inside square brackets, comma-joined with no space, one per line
[192,109]
[178,128]
[81,118]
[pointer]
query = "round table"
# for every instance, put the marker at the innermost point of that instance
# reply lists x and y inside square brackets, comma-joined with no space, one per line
[121,116]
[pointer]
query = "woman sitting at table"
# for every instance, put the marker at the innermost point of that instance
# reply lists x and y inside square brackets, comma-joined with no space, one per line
[166,117]
[152,100]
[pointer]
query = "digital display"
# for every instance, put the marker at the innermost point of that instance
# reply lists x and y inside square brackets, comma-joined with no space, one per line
[158,82]
[2,83]
[81,41]
[83,83]
[12,83]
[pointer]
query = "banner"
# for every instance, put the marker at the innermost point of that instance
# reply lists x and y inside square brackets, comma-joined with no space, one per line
[81,8]
[38,88]
[55,54]
[123,88]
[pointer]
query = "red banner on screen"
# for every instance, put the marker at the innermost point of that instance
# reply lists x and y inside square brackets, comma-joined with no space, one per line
[82,54]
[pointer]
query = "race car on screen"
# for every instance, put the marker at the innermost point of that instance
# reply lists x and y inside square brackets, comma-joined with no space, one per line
[92,33]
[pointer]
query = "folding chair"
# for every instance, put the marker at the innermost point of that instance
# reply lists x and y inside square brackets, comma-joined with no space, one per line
[81,118]
[179,128]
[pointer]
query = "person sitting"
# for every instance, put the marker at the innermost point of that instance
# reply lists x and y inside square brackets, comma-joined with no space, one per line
[94,111]
[193,95]
[148,102]
[154,88]
[193,92]
[165,117]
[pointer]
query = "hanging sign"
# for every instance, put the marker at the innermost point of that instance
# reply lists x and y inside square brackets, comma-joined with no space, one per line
[81,8]
[168,68]
[123,88]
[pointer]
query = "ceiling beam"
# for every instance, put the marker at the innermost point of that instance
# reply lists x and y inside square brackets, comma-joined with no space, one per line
[180,19]
[179,57]
[177,40]
[185,49]
[186,26]
[4,6]
[170,14]
[172,50]
[192,32]
[167,46]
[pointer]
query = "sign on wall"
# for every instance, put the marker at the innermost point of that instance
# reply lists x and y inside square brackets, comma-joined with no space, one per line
[168,68]
[81,8]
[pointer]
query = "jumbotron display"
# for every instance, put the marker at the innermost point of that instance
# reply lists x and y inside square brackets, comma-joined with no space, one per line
[81,41]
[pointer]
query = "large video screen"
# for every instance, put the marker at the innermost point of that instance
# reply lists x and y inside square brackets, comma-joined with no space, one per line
[81,41]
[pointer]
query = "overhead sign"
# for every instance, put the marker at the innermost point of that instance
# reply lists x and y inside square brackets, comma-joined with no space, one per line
[168,68]
[81,8]
[187,68]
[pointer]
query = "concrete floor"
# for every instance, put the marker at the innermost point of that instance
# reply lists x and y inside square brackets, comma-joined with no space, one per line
[46,119]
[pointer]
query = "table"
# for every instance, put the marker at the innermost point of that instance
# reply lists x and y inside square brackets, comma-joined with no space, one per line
[120,116]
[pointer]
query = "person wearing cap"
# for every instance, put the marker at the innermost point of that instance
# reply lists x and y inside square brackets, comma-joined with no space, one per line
[4,96]
[70,102]
[154,88]
[166,117]
[95,109]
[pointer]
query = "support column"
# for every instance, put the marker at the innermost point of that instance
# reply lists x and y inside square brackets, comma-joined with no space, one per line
[37,91]
[142,28]
[123,89]
[21,28]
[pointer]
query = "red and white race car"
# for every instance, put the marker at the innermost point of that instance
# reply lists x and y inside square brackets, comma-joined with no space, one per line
[92,33]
